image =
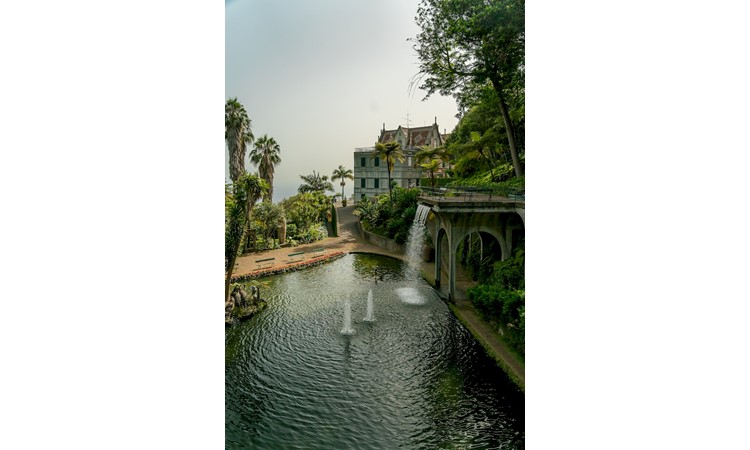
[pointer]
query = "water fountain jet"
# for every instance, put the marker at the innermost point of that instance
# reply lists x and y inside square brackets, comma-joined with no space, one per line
[348,330]
[370,316]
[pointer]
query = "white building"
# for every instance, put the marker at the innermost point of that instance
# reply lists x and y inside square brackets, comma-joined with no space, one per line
[371,174]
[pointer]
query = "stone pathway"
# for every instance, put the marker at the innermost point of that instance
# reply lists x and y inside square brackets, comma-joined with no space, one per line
[349,241]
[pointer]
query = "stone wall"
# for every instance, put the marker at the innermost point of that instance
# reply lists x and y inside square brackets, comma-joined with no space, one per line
[380,241]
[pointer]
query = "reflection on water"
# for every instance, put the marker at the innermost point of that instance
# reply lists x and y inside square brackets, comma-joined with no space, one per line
[414,378]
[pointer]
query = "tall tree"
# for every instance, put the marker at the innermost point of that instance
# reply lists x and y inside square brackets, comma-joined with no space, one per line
[314,183]
[390,152]
[248,188]
[237,134]
[342,174]
[266,156]
[468,43]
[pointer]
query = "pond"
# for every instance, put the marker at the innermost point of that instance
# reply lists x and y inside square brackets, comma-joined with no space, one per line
[413,378]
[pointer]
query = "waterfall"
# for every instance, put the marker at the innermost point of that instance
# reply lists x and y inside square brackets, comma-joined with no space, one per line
[421,215]
[415,242]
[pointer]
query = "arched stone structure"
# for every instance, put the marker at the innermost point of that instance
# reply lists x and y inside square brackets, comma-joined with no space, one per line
[458,218]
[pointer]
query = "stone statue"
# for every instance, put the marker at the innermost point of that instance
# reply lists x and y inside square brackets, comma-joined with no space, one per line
[239,296]
[255,293]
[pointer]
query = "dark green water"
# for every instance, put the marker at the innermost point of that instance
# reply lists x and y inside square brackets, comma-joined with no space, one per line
[413,379]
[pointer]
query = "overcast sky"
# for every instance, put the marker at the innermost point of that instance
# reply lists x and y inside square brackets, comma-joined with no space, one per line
[322,77]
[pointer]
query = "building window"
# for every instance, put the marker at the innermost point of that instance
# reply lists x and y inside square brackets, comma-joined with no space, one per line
[417,181]
[377,162]
[377,182]
[362,162]
[362,182]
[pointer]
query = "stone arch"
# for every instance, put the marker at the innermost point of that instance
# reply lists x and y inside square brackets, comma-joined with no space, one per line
[442,246]
[485,246]
[505,227]
[492,231]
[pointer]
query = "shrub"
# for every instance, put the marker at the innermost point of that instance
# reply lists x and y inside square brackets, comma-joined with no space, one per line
[315,233]
[504,307]
[390,219]
[291,230]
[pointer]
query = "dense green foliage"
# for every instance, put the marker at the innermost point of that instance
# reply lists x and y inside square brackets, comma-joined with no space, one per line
[439,182]
[478,144]
[391,219]
[476,258]
[305,215]
[474,50]
[501,299]
[247,189]
[264,226]
[483,180]
[504,307]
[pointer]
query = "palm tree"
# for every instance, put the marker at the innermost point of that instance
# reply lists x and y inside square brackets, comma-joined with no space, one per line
[266,156]
[342,174]
[432,165]
[427,156]
[248,188]
[390,152]
[315,183]
[237,134]
[426,153]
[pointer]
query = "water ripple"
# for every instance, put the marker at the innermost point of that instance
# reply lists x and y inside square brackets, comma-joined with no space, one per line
[414,378]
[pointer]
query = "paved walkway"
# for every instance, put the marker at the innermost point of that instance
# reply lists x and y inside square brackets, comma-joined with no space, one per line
[349,241]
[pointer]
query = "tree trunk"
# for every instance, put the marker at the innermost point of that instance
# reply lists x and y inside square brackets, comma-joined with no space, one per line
[282,232]
[236,154]
[269,195]
[230,267]
[509,129]
[390,192]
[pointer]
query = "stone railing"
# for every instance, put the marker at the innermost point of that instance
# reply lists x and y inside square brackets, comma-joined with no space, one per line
[474,191]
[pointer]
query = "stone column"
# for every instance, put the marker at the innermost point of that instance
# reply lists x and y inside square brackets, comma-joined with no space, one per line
[453,246]
[438,256]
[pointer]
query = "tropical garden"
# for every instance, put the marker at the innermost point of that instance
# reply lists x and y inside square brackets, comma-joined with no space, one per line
[252,221]
[472,50]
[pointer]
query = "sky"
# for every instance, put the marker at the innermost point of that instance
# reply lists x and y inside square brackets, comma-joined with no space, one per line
[322,77]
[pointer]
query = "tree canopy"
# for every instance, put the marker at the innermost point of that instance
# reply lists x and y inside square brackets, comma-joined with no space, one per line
[342,173]
[237,134]
[465,46]
[266,156]
[314,183]
[390,152]
[248,188]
